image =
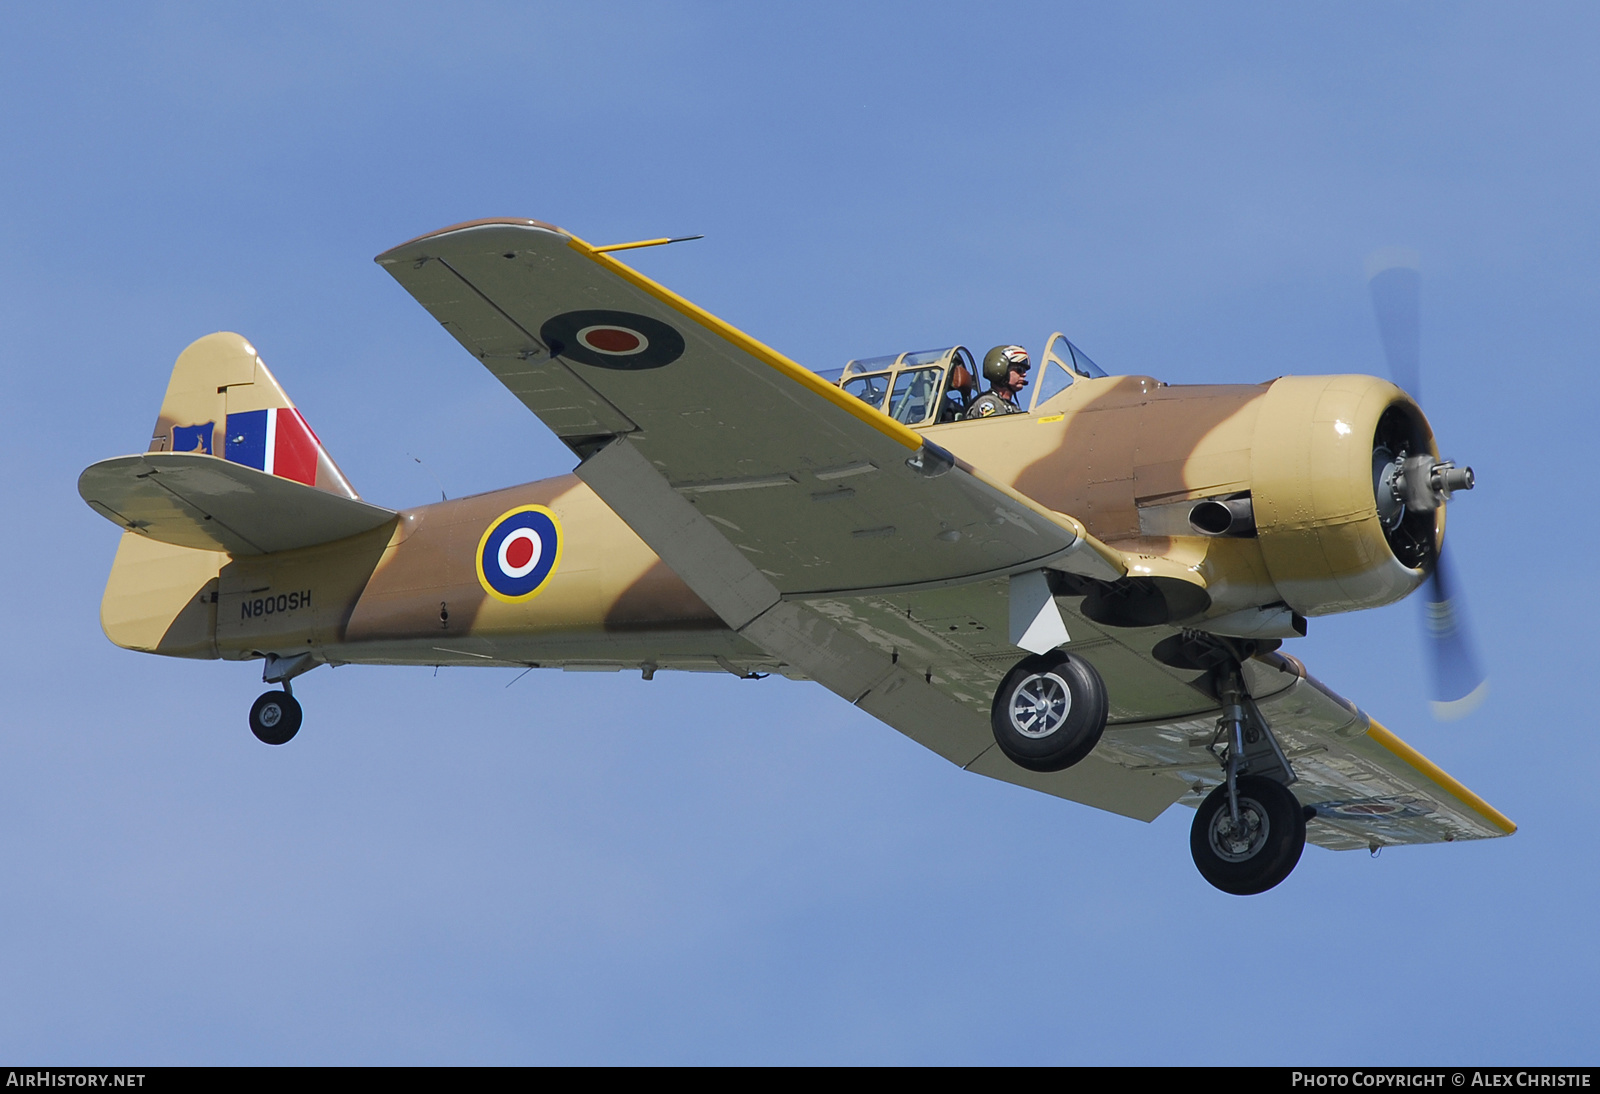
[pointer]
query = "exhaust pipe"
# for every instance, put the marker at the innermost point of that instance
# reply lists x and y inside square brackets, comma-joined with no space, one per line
[1235,517]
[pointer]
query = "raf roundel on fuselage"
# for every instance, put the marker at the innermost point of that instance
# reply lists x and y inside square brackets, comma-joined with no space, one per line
[518,553]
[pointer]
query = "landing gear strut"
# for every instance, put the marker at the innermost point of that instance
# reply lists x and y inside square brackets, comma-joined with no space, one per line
[1049,711]
[275,716]
[1248,833]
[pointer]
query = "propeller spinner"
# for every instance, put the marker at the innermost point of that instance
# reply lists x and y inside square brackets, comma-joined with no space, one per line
[1416,483]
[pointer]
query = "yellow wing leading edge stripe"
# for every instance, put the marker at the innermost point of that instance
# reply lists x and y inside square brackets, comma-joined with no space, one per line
[765,354]
[1435,774]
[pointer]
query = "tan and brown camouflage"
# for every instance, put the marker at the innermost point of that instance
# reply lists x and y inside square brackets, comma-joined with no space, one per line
[769,523]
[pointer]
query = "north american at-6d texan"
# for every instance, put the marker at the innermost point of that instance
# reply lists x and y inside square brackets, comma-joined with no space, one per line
[1086,597]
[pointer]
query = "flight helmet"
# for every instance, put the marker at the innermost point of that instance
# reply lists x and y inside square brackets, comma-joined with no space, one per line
[998,362]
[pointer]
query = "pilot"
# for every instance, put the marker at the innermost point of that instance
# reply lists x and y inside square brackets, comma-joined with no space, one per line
[1006,369]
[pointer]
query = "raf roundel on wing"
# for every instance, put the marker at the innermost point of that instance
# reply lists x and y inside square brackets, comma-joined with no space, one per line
[519,552]
[620,340]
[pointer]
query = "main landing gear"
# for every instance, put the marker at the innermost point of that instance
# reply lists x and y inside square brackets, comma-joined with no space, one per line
[1249,842]
[1049,711]
[275,715]
[1248,833]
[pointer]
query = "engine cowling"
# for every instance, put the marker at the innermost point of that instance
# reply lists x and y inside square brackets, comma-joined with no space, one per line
[1327,450]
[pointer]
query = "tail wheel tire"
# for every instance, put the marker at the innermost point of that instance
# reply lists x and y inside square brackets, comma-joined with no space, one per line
[1258,852]
[1049,711]
[275,718]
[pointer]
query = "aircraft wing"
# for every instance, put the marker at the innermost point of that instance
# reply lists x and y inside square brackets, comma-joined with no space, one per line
[818,490]
[1368,787]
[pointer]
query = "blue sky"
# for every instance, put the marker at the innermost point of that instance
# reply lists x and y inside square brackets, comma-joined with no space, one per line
[591,868]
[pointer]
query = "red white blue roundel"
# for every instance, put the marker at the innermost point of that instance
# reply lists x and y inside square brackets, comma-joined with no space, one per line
[519,552]
[620,340]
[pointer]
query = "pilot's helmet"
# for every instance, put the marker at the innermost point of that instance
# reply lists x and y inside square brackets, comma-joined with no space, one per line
[998,362]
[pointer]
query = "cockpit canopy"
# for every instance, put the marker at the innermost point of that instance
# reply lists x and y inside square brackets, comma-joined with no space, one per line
[927,387]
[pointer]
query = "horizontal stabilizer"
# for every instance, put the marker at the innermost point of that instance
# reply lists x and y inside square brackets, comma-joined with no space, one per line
[205,502]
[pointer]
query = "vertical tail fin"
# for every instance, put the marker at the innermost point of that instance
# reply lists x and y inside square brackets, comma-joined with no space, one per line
[223,401]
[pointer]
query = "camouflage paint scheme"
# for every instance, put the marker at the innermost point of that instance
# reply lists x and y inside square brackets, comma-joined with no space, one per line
[1109,465]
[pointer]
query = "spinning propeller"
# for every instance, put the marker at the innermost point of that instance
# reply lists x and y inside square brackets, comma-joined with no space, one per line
[1458,684]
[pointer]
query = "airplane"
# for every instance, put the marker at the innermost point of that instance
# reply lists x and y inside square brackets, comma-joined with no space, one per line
[1087,597]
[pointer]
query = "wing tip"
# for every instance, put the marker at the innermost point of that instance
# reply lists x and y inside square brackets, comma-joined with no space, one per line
[1441,778]
[393,253]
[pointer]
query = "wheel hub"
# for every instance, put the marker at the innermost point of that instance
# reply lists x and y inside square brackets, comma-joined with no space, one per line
[1040,705]
[270,715]
[1243,841]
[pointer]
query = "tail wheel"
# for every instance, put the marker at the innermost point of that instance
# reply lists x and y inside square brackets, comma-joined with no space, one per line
[275,718]
[1260,849]
[1049,711]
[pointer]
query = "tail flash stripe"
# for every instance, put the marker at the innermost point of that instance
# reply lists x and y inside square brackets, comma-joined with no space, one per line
[269,446]
[246,439]
[276,441]
[295,448]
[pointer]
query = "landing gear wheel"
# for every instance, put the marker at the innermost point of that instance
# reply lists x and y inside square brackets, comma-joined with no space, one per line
[1049,711]
[275,718]
[1261,850]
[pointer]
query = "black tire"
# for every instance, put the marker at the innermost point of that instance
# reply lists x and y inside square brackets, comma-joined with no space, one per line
[1276,822]
[275,718]
[1049,711]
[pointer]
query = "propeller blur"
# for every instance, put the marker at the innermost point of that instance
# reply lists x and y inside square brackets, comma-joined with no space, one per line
[1457,685]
